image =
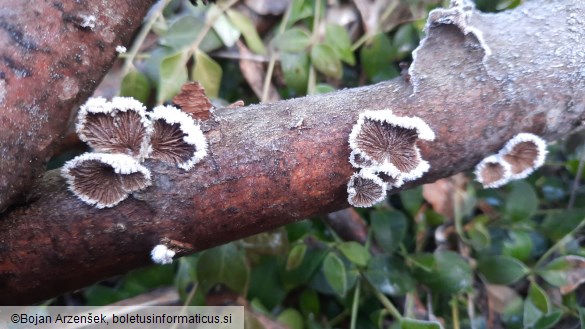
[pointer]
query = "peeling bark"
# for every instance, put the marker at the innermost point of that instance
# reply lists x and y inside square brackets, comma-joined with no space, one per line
[265,169]
[53,54]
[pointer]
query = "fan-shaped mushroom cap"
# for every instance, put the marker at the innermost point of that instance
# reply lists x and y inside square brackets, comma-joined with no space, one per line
[525,153]
[104,180]
[492,172]
[176,138]
[389,143]
[119,126]
[365,189]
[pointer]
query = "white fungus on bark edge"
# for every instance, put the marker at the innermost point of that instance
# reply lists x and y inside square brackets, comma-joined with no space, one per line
[104,180]
[388,142]
[365,189]
[119,126]
[493,172]
[160,254]
[525,153]
[192,135]
[121,49]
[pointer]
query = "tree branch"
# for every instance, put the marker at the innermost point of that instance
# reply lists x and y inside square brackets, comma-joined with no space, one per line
[53,54]
[475,84]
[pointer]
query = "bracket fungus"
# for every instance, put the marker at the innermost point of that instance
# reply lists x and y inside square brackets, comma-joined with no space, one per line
[176,138]
[492,172]
[119,126]
[104,180]
[389,143]
[160,254]
[525,153]
[365,189]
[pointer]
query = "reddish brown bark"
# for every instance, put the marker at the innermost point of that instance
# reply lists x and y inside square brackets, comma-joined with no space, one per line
[52,56]
[273,164]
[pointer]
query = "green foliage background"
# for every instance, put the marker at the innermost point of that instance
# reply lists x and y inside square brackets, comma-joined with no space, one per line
[419,268]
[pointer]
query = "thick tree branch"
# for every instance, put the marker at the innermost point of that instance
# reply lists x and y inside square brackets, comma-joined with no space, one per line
[475,84]
[52,56]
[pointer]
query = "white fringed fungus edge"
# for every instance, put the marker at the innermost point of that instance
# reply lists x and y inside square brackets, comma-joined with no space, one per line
[365,174]
[160,254]
[374,171]
[423,130]
[193,134]
[96,105]
[121,163]
[526,138]
[495,158]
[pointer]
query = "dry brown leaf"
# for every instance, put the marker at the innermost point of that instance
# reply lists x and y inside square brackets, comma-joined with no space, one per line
[442,193]
[236,104]
[575,275]
[192,99]
[254,74]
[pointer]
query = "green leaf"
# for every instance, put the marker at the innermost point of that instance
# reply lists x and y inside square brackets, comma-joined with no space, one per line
[412,200]
[245,25]
[186,275]
[335,274]
[295,67]
[558,224]
[390,276]
[292,40]
[226,265]
[376,59]
[448,273]
[389,228]
[404,42]
[548,321]
[172,76]
[309,303]
[582,317]
[480,236]
[518,246]
[337,38]
[419,324]
[295,256]
[184,31]
[302,274]
[326,61]
[522,202]
[265,285]
[502,269]
[136,85]
[566,271]
[208,73]
[323,88]
[291,318]
[227,32]
[355,252]
[536,305]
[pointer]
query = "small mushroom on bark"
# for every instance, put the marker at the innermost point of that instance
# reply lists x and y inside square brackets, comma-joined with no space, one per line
[119,126]
[176,138]
[103,180]
[389,143]
[525,153]
[492,172]
[365,189]
[161,254]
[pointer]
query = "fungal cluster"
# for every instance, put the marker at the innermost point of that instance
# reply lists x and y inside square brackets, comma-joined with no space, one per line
[384,149]
[123,135]
[516,160]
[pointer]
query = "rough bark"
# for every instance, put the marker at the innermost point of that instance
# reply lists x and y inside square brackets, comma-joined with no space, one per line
[475,84]
[52,56]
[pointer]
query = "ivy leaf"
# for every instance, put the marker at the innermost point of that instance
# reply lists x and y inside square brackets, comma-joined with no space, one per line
[172,75]
[245,25]
[522,202]
[208,73]
[295,67]
[325,60]
[336,274]
[295,256]
[444,271]
[502,269]
[390,276]
[419,324]
[225,265]
[355,252]
[389,228]
[337,38]
[292,40]
[136,85]
[567,272]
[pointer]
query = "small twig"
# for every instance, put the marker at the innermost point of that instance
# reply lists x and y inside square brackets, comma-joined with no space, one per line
[576,181]
[355,305]
[455,312]
[383,299]
[129,61]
